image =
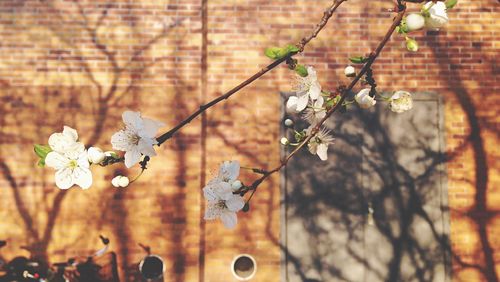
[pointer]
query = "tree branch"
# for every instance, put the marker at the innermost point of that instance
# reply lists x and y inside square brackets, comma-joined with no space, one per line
[344,94]
[301,45]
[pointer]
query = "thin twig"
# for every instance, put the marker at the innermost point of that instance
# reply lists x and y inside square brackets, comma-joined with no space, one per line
[344,94]
[301,45]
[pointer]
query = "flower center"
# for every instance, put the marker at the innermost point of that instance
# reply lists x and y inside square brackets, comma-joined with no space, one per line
[402,101]
[221,205]
[134,139]
[73,164]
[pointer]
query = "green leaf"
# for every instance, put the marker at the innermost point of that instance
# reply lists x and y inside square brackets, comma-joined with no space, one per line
[330,103]
[41,162]
[450,3]
[301,70]
[358,60]
[273,52]
[276,53]
[402,28]
[42,150]
[291,48]
[114,155]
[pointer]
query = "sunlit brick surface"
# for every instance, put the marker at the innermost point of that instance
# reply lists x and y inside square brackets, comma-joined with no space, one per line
[81,63]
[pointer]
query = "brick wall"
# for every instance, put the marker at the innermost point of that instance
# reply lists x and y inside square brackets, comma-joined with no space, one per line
[82,63]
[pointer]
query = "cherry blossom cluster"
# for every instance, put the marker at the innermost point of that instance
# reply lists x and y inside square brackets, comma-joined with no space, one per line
[72,161]
[312,103]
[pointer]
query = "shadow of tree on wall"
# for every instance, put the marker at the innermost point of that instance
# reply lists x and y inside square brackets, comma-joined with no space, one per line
[376,210]
[28,117]
[479,212]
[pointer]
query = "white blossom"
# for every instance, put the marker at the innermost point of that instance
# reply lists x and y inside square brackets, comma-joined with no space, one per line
[70,170]
[221,202]
[350,71]
[318,145]
[69,158]
[284,141]
[437,15]
[223,207]
[96,155]
[288,122]
[415,22]
[316,111]
[120,181]
[401,101]
[137,138]
[307,88]
[364,100]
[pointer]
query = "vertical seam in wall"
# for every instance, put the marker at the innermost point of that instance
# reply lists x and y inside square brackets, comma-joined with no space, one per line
[203,134]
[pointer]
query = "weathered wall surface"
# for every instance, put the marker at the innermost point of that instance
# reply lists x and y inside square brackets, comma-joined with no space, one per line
[81,63]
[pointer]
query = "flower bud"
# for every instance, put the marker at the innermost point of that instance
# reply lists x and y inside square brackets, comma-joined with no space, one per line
[288,122]
[415,22]
[411,45]
[120,181]
[95,155]
[236,185]
[284,141]
[364,100]
[350,71]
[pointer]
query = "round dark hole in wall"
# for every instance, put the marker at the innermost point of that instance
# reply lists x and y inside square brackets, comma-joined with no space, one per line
[151,267]
[244,267]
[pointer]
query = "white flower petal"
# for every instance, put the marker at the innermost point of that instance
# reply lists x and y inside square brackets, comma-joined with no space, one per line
[145,146]
[364,100]
[74,151]
[132,157]
[70,132]
[56,160]
[224,190]
[212,212]
[82,177]
[64,178]
[322,151]
[313,147]
[302,102]
[311,73]
[120,141]
[229,170]
[315,90]
[319,102]
[150,128]
[210,194]
[132,120]
[438,16]
[235,203]
[60,142]
[83,160]
[229,219]
[292,103]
